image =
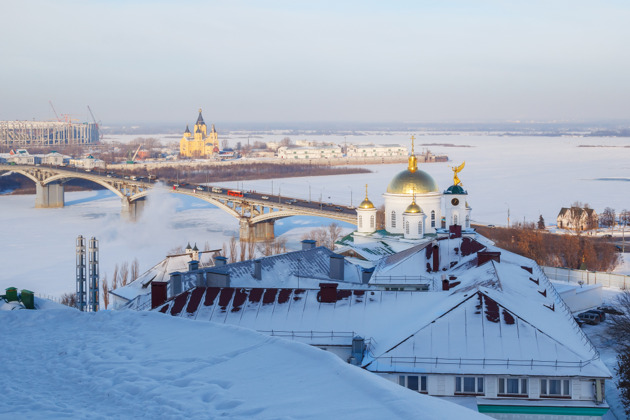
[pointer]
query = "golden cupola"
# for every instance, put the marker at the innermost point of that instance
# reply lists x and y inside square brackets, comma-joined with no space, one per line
[412,179]
[366,203]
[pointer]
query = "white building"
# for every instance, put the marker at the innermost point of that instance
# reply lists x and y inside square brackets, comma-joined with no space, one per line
[372,150]
[314,152]
[88,163]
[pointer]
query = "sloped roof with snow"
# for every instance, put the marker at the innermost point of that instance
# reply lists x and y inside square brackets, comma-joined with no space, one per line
[498,317]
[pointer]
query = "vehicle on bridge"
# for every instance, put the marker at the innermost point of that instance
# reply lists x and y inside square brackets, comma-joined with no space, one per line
[235,193]
[217,189]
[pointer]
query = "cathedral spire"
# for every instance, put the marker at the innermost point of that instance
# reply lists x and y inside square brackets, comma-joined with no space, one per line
[187,130]
[413,161]
[200,119]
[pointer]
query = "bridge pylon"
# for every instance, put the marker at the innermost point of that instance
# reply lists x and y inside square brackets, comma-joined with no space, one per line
[132,210]
[50,195]
[256,232]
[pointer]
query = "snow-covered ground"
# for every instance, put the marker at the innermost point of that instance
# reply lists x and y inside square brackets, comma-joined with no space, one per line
[67,364]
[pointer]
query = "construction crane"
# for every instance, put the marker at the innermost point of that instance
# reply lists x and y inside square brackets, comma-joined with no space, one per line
[96,123]
[53,108]
[133,159]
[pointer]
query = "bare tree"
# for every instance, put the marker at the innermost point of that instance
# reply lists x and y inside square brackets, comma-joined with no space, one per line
[135,269]
[285,141]
[243,249]
[334,232]
[380,217]
[206,246]
[115,278]
[124,273]
[105,287]
[224,250]
[251,250]
[69,299]
[233,249]
[607,217]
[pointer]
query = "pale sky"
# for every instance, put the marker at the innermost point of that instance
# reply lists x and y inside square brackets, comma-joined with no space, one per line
[149,61]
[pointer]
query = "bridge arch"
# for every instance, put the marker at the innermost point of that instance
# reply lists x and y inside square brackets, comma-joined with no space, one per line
[64,176]
[24,173]
[202,197]
[287,213]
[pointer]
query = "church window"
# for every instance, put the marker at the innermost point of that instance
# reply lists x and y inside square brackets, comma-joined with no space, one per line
[432,218]
[454,219]
[360,221]
[467,221]
[372,221]
[407,228]
[419,228]
[393,219]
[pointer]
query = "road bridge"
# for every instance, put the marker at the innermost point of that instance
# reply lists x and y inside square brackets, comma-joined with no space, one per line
[256,212]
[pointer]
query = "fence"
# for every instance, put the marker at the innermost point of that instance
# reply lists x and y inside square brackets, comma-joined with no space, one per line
[568,275]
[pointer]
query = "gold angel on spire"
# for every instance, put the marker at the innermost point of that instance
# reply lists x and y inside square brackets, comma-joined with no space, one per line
[456,170]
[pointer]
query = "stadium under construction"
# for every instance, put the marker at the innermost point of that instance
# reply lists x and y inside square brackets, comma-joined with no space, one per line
[47,133]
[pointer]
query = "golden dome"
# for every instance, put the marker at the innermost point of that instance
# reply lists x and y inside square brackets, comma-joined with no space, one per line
[408,182]
[413,208]
[366,204]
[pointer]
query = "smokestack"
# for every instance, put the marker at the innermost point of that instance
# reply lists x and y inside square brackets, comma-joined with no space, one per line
[193,265]
[220,261]
[336,266]
[176,283]
[308,244]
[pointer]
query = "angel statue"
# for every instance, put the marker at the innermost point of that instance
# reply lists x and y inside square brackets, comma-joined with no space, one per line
[456,170]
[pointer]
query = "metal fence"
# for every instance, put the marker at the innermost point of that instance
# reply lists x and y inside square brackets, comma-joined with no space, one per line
[568,275]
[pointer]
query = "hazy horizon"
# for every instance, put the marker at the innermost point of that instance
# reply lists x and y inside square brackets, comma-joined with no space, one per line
[141,62]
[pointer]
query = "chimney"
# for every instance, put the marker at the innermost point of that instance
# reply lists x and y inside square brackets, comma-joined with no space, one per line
[220,261]
[308,244]
[436,258]
[327,293]
[336,266]
[445,284]
[193,265]
[258,269]
[455,231]
[366,275]
[176,283]
[485,256]
[158,293]
[217,279]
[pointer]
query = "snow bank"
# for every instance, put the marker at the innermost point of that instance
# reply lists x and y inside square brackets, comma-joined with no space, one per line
[68,364]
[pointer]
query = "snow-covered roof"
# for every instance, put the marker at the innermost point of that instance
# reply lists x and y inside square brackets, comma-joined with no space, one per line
[306,267]
[497,317]
[161,272]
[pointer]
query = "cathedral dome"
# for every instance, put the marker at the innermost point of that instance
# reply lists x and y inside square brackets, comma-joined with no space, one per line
[455,189]
[366,204]
[408,182]
[413,208]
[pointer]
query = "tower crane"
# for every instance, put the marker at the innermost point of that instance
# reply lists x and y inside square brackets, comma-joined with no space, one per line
[96,123]
[53,108]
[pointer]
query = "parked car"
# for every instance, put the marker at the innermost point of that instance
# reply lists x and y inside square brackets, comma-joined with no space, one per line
[589,318]
[601,314]
[578,321]
[264,197]
[610,310]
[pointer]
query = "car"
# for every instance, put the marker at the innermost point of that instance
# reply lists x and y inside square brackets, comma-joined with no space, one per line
[601,314]
[264,197]
[608,235]
[200,188]
[338,209]
[589,318]
[610,310]
[578,321]
[109,175]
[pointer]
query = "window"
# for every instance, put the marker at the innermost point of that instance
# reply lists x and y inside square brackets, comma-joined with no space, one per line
[413,382]
[432,218]
[513,386]
[360,221]
[469,385]
[393,219]
[467,221]
[454,219]
[372,221]
[555,388]
[419,228]
[407,228]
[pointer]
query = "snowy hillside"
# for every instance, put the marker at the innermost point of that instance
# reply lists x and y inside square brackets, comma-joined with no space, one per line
[67,364]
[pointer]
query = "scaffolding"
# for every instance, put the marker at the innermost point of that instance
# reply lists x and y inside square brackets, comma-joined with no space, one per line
[47,133]
[92,304]
[81,296]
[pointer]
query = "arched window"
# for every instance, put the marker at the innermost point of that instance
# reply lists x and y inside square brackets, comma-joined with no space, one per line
[420,227]
[407,228]
[467,221]
[372,221]
[393,219]
[432,218]
[443,222]
[360,221]
[454,219]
